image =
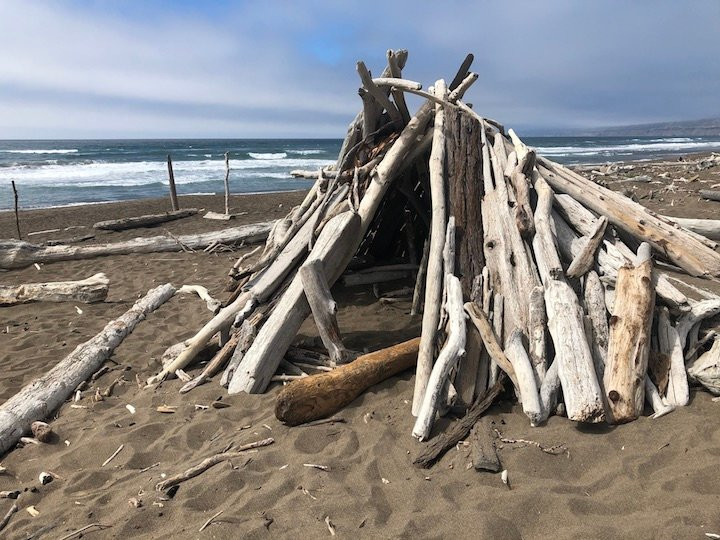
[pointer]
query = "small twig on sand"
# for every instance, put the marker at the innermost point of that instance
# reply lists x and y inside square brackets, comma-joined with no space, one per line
[554,450]
[205,464]
[204,525]
[6,519]
[330,525]
[336,420]
[115,453]
[316,466]
[83,529]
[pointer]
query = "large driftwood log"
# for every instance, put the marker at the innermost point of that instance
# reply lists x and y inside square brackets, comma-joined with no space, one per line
[322,395]
[14,254]
[576,369]
[709,228]
[324,310]
[434,279]
[143,221]
[453,350]
[41,397]
[90,290]
[686,249]
[629,342]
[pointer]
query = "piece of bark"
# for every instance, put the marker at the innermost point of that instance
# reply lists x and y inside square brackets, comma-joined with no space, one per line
[144,221]
[89,290]
[434,279]
[436,448]
[322,395]
[452,351]
[629,340]
[324,310]
[14,254]
[483,451]
[38,399]
[585,259]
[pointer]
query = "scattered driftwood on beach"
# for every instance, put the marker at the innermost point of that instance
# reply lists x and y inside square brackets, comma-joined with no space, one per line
[88,291]
[41,397]
[17,254]
[144,221]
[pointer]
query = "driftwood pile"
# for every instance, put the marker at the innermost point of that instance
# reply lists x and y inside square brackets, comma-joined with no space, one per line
[526,268]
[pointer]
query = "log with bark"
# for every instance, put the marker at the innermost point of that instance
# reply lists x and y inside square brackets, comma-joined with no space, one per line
[89,290]
[322,395]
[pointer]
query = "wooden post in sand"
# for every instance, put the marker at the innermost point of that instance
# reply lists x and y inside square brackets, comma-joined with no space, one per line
[227,183]
[171,180]
[17,217]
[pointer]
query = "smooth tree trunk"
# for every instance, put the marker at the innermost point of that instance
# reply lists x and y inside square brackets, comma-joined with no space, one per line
[143,221]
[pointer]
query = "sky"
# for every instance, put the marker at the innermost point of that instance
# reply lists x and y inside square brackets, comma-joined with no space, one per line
[153,69]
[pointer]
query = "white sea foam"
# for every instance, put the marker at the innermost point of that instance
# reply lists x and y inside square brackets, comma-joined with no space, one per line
[661,145]
[52,151]
[278,155]
[306,152]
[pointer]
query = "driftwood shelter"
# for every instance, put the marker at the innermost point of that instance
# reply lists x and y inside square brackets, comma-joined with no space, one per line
[529,277]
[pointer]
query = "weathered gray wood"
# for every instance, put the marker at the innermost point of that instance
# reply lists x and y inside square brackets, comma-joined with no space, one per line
[629,340]
[706,369]
[585,259]
[143,221]
[537,332]
[594,302]
[14,254]
[709,194]
[709,228]
[483,451]
[324,309]
[41,397]
[419,290]
[529,397]
[90,290]
[453,350]
[171,182]
[678,392]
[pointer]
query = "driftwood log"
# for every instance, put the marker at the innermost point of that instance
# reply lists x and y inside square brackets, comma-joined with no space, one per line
[143,221]
[14,254]
[89,290]
[41,397]
[322,395]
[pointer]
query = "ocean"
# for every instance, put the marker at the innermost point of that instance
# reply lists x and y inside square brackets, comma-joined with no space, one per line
[69,172]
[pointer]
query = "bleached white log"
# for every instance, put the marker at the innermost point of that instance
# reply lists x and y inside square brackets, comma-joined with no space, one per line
[89,290]
[537,326]
[401,84]
[698,312]
[452,351]
[433,281]
[594,301]
[678,392]
[585,260]
[706,369]
[143,221]
[576,370]
[334,248]
[515,352]
[16,254]
[709,228]
[41,397]
[629,340]
[324,309]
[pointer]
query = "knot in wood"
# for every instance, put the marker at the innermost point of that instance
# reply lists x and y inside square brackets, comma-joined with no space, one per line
[613,395]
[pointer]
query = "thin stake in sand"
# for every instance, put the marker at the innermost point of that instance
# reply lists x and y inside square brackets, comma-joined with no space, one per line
[17,217]
[113,456]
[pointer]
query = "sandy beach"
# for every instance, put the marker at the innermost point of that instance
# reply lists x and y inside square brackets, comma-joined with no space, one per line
[647,479]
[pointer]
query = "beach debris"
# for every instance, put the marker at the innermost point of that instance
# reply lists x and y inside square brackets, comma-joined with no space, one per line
[45,478]
[89,290]
[219,405]
[6,518]
[150,467]
[504,478]
[484,453]
[130,408]
[306,492]
[385,480]
[79,311]
[14,494]
[316,466]
[29,440]
[330,526]
[165,409]
[37,266]
[209,521]
[135,502]
[113,456]
[83,529]
[211,461]
[34,512]
[41,431]
[552,450]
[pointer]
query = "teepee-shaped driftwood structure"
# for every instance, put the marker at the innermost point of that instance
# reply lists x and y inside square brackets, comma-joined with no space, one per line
[527,269]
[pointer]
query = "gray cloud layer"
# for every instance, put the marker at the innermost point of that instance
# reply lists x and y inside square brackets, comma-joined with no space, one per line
[231,69]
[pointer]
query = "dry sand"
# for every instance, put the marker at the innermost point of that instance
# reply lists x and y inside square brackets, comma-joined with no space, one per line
[648,479]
